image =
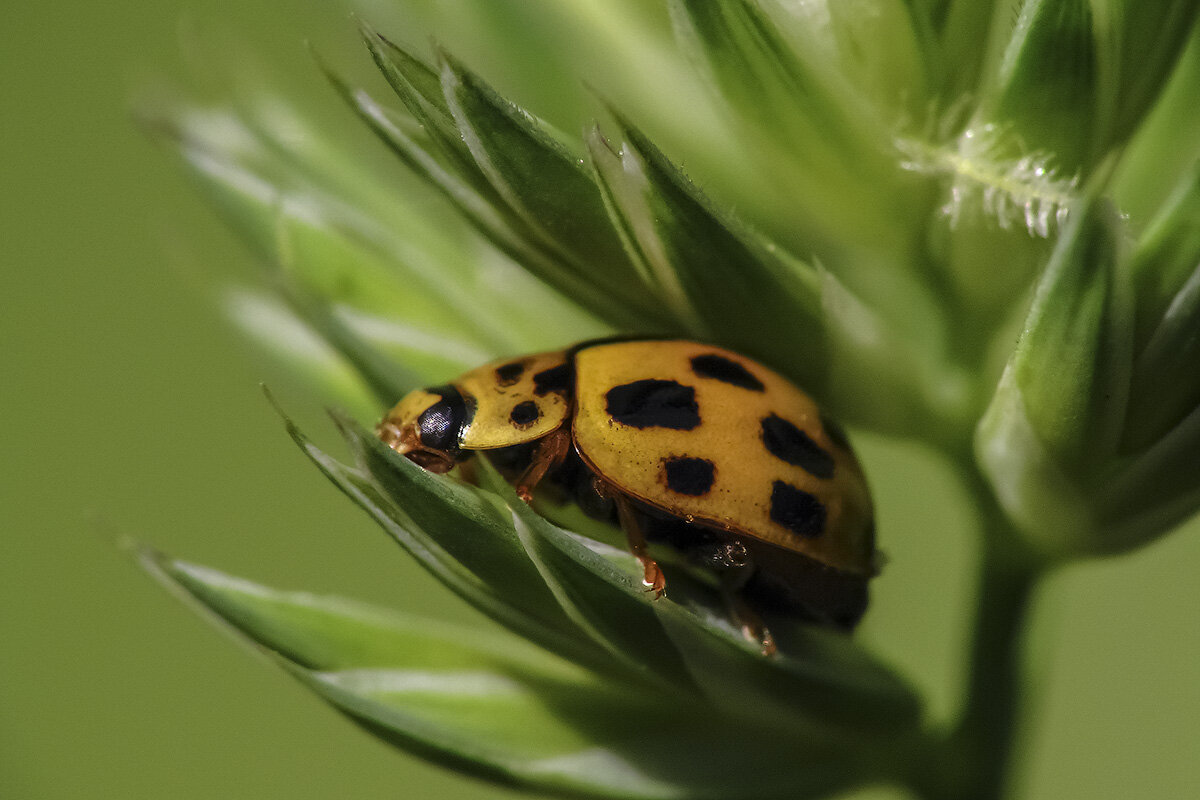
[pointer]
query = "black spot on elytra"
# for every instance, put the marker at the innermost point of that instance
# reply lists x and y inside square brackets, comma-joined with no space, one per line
[509,374]
[797,510]
[654,404]
[725,370]
[686,475]
[787,442]
[525,414]
[556,379]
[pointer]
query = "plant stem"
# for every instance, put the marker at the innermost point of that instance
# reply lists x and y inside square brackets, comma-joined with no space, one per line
[984,736]
[973,760]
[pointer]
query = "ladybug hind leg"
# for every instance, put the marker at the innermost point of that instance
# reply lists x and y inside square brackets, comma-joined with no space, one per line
[749,620]
[734,565]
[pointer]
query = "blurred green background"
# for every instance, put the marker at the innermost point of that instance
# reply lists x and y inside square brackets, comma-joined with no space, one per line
[131,408]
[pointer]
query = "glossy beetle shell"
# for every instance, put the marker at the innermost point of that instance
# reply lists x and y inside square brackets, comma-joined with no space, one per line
[684,430]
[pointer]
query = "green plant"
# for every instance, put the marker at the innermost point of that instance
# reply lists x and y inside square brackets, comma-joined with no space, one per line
[917,185]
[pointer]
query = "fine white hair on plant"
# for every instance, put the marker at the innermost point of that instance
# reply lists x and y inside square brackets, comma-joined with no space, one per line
[987,179]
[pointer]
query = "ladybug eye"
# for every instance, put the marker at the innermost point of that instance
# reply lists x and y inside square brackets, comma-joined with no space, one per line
[440,426]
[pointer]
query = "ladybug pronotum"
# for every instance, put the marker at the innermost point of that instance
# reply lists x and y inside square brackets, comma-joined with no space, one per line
[679,442]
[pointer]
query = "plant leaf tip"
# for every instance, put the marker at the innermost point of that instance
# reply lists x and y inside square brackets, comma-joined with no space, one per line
[291,427]
[157,564]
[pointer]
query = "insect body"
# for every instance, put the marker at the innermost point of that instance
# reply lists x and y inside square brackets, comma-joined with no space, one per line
[679,442]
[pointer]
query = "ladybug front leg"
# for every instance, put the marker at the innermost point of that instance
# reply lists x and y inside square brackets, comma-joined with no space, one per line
[549,454]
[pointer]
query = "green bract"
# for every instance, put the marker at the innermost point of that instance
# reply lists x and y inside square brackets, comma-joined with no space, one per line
[668,683]
[972,224]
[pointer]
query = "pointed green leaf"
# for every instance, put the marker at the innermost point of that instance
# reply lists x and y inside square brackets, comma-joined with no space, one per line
[584,601]
[576,740]
[726,283]
[386,378]
[1141,43]
[1166,147]
[545,49]
[487,212]
[597,586]
[392,268]
[753,64]
[1055,421]
[504,712]
[966,31]
[1153,493]
[890,377]
[476,205]
[419,88]
[1078,76]
[819,680]
[1167,253]
[545,186]
[1047,86]
[1167,373]
[331,633]
[932,13]
[1166,271]
[821,147]
[722,281]
[370,293]
[461,537]
[1033,487]
[875,48]
[334,240]
[1073,359]
[541,193]
[288,339]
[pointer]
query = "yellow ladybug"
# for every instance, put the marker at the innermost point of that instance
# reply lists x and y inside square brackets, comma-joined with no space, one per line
[679,442]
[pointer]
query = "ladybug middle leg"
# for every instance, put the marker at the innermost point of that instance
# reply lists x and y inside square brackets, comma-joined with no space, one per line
[627,517]
[653,576]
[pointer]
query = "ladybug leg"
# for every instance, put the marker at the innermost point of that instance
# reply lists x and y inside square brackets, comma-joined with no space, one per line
[652,577]
[549,454]
[735,566]
[752,625]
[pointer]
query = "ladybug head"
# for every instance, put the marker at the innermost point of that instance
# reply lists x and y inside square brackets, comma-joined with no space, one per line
[427,427]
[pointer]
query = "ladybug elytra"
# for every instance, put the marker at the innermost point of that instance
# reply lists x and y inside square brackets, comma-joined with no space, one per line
[678,442]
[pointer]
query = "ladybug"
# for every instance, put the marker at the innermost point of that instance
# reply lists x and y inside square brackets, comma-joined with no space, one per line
[678,442]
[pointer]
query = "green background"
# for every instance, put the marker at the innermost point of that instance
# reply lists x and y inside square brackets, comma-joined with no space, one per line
[131,409]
